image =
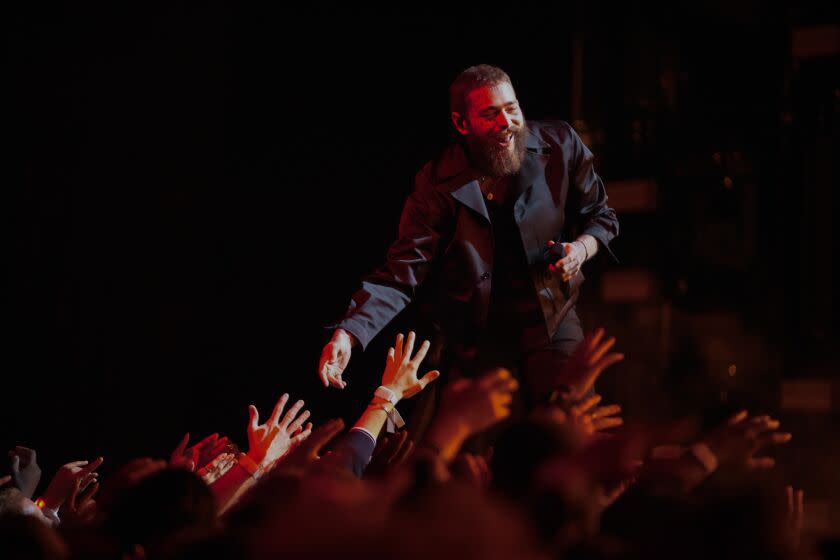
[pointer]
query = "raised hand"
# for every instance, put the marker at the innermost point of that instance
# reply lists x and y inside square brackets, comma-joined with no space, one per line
[270,441]
[472,469]
[334,359]
[25,470]
[391,451]
[479,403]
[61,486]
[590,418]
[401,369]
[587,362]
[303,455]
[795,512]
[469,406]
[80,507]
[737,441]
[183,458]
[572,256]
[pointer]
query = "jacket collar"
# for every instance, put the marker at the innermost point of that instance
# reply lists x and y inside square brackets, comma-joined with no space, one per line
[453,172]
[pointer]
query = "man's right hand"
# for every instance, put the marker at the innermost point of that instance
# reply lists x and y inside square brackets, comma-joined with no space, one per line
[334,359]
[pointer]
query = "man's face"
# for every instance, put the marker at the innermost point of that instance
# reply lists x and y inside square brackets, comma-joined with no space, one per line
[493,129]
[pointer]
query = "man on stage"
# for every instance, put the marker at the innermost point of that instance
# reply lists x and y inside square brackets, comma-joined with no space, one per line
[491,243]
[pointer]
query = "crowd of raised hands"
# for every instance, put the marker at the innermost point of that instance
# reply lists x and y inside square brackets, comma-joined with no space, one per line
[569,479]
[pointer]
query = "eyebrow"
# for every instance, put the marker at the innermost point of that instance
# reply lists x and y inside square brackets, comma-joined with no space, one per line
[496,107]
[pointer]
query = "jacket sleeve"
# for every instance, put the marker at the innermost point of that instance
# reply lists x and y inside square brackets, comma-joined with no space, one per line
[388,289]
[354,450]
[595,217]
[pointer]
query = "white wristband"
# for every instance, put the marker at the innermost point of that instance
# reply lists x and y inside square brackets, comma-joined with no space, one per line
[385,393]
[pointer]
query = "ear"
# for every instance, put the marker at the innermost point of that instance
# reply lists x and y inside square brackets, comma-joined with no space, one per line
[460,123]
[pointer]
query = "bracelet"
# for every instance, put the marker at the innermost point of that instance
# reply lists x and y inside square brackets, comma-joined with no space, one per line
[250,466]
[388,407]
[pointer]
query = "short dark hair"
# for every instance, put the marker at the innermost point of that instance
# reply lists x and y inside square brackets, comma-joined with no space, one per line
[470,79]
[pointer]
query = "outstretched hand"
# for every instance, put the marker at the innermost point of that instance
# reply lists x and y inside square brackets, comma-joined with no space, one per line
[738,440]
[270,441]
[400,374]
[334,359]
[68,476]
[586,364]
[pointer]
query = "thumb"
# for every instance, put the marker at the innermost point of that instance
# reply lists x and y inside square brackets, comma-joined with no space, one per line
[428,378]
[254,415]
[182,446]
[15,463]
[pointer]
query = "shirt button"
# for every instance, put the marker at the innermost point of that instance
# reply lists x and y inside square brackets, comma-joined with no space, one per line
[489,196]
[485,276]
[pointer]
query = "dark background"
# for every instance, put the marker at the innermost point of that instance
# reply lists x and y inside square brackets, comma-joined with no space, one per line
[193,191]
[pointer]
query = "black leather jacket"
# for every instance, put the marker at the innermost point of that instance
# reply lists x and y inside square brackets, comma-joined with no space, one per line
[445,237]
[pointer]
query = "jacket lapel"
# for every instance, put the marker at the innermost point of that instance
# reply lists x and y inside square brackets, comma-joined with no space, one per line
[454,173]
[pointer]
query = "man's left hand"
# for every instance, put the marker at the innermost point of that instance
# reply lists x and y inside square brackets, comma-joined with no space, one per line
[569,265]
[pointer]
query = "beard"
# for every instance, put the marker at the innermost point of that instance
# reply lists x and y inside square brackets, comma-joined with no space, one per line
[497,161]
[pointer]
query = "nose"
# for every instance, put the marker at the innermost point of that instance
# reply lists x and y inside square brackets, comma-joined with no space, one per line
[506,120]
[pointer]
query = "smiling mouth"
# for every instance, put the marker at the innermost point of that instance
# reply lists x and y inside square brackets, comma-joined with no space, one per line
[505,140]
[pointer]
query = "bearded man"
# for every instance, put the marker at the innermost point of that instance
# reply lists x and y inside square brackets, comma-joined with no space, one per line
[491,242]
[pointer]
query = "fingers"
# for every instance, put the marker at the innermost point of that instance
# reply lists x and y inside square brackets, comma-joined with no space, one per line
[90,468]
[333,375]
[483,470]
[409,346]
[790,500]
[428,378]
[394,446]
[600,350]
[329,357]
[88,494]
[290,415]
[498,379]
[274,419]
[586,405]
[25,453]
[404,452]
[305,433]
[220,446]
[599,424]
[323,372]
[398,348]
[292,423]
[421,384]
[774,439]
[323,435]
[609,410]
[5,479]
[182,446]
[390,357]
[761,463]
[253,418]
[207,442]
[421,352]
[737,418]
[15,466]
